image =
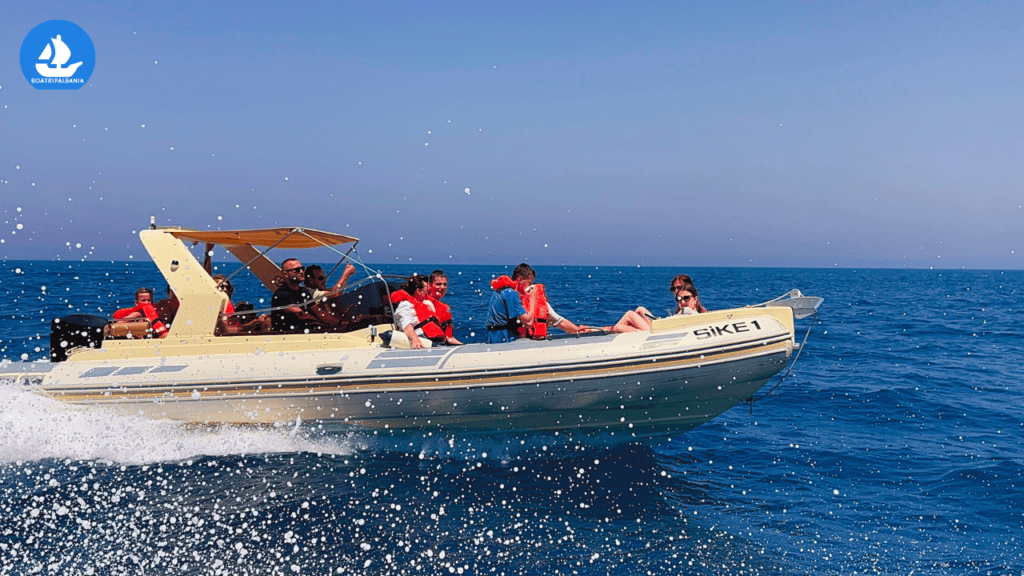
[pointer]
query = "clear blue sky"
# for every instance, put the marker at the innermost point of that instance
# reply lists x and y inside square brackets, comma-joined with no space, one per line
[675,133]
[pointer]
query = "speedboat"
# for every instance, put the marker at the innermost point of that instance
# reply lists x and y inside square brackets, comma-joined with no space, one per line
[681,373]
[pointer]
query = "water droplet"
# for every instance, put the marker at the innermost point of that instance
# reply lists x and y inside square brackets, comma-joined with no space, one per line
[20,226]
[466,190]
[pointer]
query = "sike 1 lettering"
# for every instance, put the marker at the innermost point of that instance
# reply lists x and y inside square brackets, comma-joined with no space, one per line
[735,328]
[722,329]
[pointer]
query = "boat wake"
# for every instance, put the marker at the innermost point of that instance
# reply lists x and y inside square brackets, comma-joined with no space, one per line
[33,427]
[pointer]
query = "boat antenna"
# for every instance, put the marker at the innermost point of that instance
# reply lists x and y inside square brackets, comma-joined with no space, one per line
[152,222]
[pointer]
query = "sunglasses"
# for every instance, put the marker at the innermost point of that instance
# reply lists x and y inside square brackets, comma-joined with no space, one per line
[686,298]
[299,269]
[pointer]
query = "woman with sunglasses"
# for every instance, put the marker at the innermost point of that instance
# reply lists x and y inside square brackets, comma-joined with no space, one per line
[687,302]
[225,286]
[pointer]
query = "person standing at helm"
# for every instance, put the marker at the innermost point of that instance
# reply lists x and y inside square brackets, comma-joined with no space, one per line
[438,289]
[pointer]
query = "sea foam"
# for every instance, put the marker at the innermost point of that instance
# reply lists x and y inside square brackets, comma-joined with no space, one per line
[34,427]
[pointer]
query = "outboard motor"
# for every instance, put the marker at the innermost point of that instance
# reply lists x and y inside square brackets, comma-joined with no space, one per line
[75,331]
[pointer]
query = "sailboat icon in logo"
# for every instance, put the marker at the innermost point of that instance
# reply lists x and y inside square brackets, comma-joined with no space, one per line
[60,55]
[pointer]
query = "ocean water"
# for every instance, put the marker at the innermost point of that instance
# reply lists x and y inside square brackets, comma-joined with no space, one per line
[895,447]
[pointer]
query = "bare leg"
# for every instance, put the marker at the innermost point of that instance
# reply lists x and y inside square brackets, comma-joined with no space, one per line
[631,322]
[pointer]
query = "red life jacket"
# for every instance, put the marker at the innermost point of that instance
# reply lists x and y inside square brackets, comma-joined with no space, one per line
[148,311]
[536,303]
[502,282]
[428,321]
[444,315]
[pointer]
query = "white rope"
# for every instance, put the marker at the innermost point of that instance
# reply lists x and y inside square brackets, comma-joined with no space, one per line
[792,364]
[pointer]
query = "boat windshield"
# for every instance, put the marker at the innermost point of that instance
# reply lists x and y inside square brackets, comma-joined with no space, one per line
[364,303]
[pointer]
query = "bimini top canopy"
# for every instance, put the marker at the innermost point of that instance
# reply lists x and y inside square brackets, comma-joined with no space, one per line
[276,237]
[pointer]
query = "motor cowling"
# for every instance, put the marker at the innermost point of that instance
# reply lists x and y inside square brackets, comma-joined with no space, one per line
[75,331]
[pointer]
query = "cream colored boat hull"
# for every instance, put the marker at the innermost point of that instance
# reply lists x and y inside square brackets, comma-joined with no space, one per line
[684,372]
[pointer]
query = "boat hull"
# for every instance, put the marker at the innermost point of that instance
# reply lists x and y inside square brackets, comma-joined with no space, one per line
[673,379]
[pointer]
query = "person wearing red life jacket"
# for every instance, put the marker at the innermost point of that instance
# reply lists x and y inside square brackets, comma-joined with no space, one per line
[225,286]
[415,314]
[544,314]
[438,289]
[534,302]
[143,309]
[507,318]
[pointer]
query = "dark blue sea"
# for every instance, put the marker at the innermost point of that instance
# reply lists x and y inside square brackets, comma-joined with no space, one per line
[895,447]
